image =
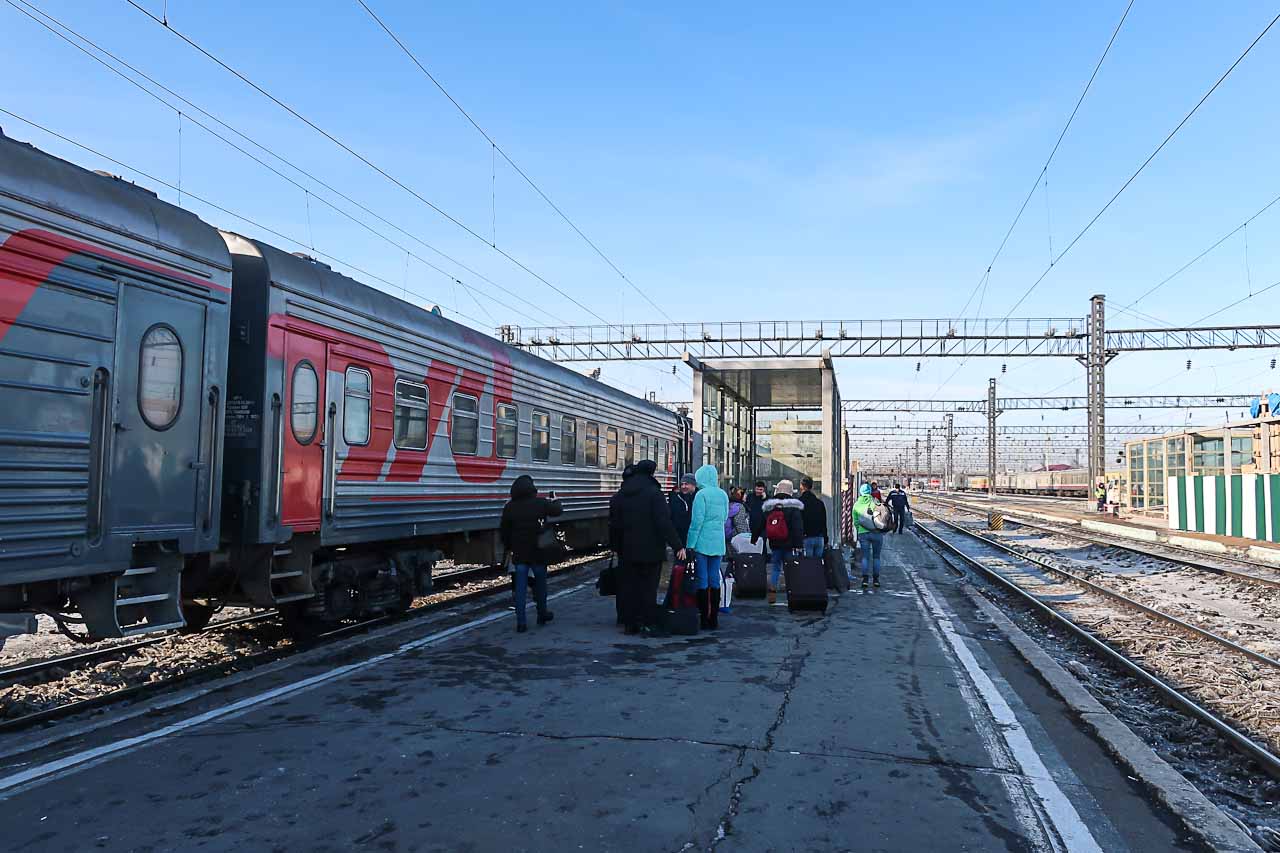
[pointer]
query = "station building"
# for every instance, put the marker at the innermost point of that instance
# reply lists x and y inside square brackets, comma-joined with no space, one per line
[1223,480]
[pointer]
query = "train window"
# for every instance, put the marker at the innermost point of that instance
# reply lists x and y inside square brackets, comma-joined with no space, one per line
[628,449]
[302,402]
[411,415]
[611,448]
[662,455]
[540,436]
[644,448]
[593,444]
[357,397]
[160,376]
[507,438]
[671,455]
[464,432]
[568,440]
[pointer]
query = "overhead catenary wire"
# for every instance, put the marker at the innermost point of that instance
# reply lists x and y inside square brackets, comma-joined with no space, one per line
[512,163]
[362,158]
[270,152]
[1049,160]
[1152,156]
[221,209]
[985,280]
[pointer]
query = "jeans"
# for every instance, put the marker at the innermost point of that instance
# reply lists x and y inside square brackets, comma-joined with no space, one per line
[776,556]
[520,578]
[814,545]
[708,568]
[872,542]
[638,593]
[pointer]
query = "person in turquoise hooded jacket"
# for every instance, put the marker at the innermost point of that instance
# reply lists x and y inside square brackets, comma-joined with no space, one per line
[706,539]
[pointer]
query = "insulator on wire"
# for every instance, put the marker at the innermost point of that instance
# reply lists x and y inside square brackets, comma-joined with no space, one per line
[1188,364]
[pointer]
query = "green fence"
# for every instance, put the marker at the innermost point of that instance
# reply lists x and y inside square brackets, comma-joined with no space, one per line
[1244,505]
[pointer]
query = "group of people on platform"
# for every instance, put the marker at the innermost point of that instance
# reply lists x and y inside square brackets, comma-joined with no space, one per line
[700,523]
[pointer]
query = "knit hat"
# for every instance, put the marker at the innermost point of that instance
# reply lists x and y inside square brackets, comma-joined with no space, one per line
[690,479]
[865,489]
[784,487]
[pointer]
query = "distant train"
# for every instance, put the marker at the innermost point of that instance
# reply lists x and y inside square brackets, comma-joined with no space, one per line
[193,417]
[1068,482]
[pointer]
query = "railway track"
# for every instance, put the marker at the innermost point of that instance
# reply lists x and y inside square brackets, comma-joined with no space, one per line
[1053,604]
[1264,575]
[31,672]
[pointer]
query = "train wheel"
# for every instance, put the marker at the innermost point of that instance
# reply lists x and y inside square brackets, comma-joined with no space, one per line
[300,621]
[197,616]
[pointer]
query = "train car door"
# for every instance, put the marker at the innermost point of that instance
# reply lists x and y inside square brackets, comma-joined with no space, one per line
[157,454]
[302,478]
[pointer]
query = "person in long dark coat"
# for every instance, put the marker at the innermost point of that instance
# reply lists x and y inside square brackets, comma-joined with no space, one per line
[640,530]
[681,503]
[522,520]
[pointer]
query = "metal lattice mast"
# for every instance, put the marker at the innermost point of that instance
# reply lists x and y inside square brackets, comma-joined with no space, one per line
[915,469]
[1096,374]
[928,455]
[991,437]
[950,472]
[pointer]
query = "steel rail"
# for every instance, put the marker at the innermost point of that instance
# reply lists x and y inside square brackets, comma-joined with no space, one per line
[1193,561]
[23,671]
[1107,592]
[1250,748]
[205,673]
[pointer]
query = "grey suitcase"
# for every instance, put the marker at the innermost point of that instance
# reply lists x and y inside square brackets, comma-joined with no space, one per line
[837,573]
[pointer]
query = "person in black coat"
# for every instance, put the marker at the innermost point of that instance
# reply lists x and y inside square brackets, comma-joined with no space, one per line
[815,519]
[793,516]
[681,503]
[523,518]
[640,529]
[755,510]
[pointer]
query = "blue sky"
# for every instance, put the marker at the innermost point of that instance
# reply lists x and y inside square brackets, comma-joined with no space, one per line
[737,161]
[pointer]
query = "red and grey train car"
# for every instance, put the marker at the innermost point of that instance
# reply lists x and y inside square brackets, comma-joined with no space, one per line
[195,417]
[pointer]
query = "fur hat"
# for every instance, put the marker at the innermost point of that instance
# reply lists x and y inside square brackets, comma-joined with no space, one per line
[784,487]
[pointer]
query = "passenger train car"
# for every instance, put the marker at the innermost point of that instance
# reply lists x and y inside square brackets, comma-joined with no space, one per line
[194,417]
[1070,482]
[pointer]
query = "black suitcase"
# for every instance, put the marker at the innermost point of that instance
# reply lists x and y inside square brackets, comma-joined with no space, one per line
[837,574]
[681,623]
[750,576]
[806,583]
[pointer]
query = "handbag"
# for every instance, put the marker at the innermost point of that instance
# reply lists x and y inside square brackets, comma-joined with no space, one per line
[607,583]
[551,548]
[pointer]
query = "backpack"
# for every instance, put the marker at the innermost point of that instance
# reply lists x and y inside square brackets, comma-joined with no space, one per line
[882,516]
[775,527]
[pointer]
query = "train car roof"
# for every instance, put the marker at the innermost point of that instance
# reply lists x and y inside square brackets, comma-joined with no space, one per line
[107,201]
[314,278]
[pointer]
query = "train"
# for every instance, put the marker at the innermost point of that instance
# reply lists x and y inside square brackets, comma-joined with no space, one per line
[1067,482]
[195,417]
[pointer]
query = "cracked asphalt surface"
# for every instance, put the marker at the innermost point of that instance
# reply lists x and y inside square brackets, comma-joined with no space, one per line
[846,731]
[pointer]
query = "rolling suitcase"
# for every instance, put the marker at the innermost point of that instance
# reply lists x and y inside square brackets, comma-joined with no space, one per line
[806,583]
[750,576]
[680,614]
[837,573]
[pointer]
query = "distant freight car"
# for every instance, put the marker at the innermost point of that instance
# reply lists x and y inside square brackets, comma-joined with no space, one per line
[196,417]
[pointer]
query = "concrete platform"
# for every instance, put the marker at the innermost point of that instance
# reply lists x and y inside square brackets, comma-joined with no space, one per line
[900,720]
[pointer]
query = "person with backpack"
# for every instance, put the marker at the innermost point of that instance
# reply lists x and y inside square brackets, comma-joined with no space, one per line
[899,504]
[706,540]
[868,516]
[784,530]
[815,519]
[523,519]
[640,530]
